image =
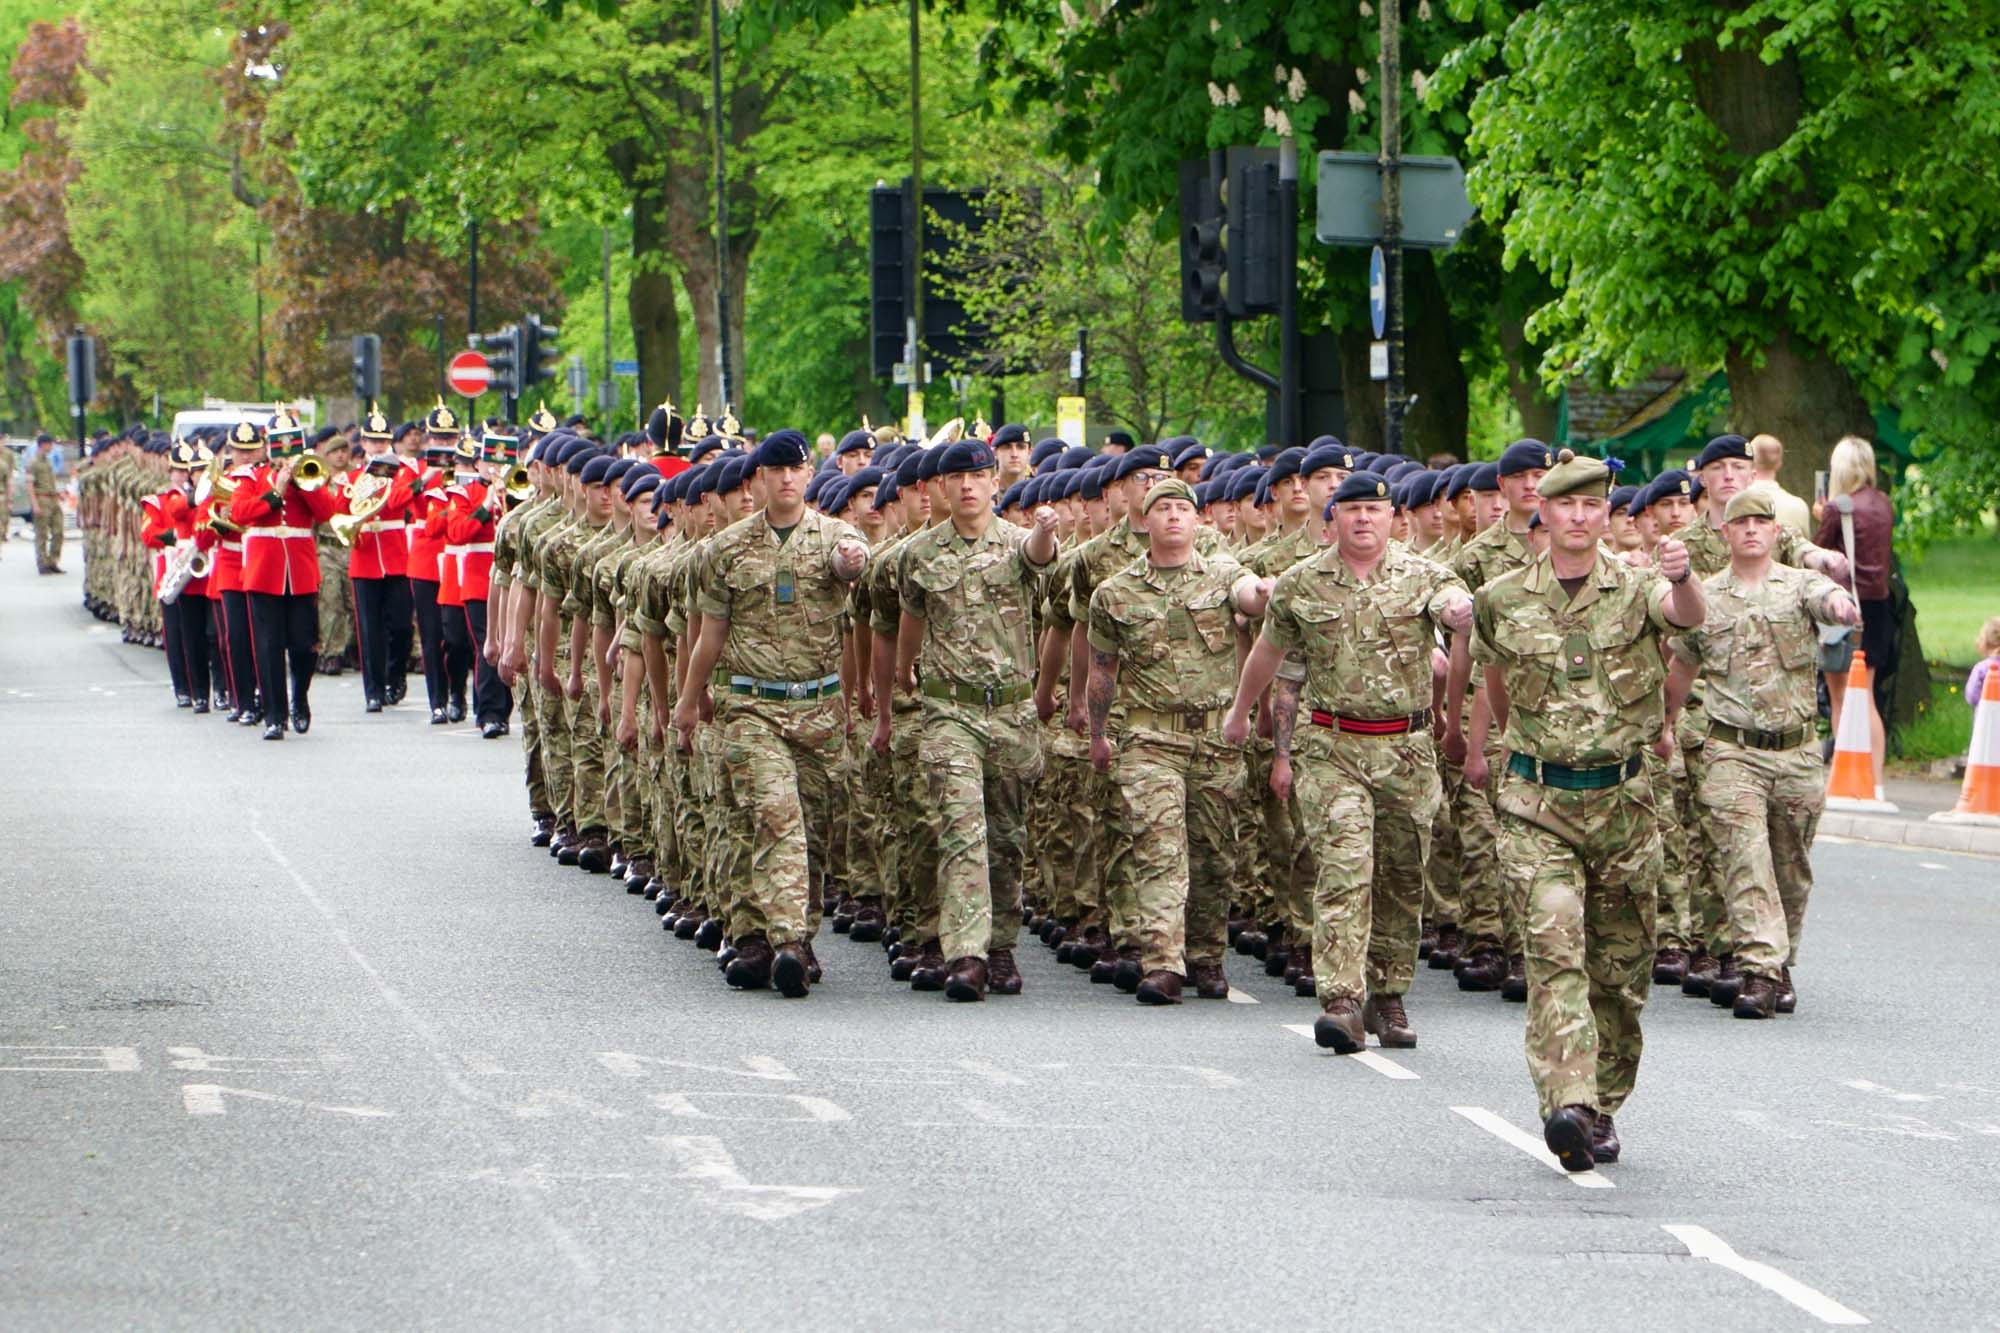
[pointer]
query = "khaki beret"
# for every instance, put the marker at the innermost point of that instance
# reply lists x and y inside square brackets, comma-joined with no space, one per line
[1572,475]
[1752,503]
[1173,488]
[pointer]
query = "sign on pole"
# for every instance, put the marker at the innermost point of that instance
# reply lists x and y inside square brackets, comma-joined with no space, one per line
[1070,423]
[1378,291]
[1435,208]
[469,374]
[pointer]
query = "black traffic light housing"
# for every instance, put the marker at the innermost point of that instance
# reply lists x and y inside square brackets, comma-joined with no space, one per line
[540,357]
[1256,220]
[1202,257]
[951,337]
[367,368]
[503,359]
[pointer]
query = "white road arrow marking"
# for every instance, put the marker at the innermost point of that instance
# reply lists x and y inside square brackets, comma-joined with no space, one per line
[705,1160]
[207,1099]
[1509,1133]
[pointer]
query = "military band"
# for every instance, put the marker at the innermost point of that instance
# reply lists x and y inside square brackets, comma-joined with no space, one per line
[1142,704]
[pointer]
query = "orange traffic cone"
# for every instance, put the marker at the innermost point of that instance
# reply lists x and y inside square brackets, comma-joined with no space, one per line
[1850,785]
[1979,802]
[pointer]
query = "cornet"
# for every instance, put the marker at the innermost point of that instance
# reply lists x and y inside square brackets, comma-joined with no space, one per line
[309,473]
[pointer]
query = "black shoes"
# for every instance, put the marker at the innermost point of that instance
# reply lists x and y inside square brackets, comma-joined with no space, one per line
[1568,1134]
[455,710]
[373,705]
[493,730]
[200,705]
[302,719]
[274,732]
[791,971]
[438,718]
[1604,1143]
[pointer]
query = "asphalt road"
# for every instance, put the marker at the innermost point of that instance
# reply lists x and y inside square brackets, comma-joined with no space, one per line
[306,1035]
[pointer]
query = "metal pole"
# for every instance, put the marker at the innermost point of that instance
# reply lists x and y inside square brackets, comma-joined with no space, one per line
[440,346]
[1290,429]
[257,284]
[1392,218]
[721,207]
[611,394]
[472,273]
[915,230]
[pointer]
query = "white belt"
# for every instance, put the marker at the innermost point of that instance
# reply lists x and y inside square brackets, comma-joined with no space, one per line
[277,532]
[385,525]
[233,546]
[470,548]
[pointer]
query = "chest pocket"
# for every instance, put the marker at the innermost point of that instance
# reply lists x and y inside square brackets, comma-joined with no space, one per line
[1794,636]
[1410,636]
[1537,646]
[1211,616]
[1631,657]
[1322,627]
[1148,634]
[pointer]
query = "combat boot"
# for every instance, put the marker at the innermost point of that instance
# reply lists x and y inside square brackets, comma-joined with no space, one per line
[1788,995]
[1383,1015]
[594,855]
[1485,970]
[1340,1029]
[1306,984]
[967,981]
[1444,955]
[929,974]
[545,831]
[564,847]
[1700,975]
[1159,987]
[902,965]
[1127,973]
[685,925]
[1104,965]
[869,924]
[813,972]
[1604,1143]
[843,916]
[617,861]
[1670,965]
[751,968]
[1249,940]
[1209,982]
[1757,999]
[1299,960]
[791,971]
[1568,1134]
[1515,987]
[1728,983]
[1002,976]
[1427,939]
[1278,946]
[709,934]
[1084,953]
[638,874]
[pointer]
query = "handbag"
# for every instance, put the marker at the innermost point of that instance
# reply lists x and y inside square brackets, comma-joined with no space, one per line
[1837,642]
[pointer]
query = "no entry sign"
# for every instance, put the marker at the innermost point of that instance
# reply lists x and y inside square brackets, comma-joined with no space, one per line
[469,374]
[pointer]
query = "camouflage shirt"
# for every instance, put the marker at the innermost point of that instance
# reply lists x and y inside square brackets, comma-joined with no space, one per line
[1489,554]
[583,598]
[1583,676]
[974,596]
[508,550]
[1708,550]
[1107,553]
[534,539]
[1172,631]
[1758,648]
[1281,550]
[1362,646]
[779,595]
[557,568]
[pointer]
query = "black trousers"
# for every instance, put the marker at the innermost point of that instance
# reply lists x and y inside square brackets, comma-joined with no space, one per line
[382,630]
[239,656]
[441,682]
[492,701]
[170,630]
[285,625]
[191,612]
[459,650]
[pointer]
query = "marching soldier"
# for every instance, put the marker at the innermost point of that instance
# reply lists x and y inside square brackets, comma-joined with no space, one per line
[276,512]
[45,506]
[477,504]
[380,493]
[1571,646]
[444,670]
[336,601]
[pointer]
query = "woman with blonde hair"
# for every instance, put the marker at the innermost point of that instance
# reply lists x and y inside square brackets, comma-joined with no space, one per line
[1851,474]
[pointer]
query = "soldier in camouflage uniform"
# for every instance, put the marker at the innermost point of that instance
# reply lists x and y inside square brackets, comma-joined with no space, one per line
[966,590]
[508,627]
[45,503]
[1163,660]
[553,545]
[772,591]
[1756,654]
[1571,645]
[1354,628]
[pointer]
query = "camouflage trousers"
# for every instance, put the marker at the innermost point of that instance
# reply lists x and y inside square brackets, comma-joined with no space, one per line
[1765,805]
[779,760]
[1708,910]
[1679,847]
[1177,797]
[1442,867]
[913,882]
[587,759]
[867,787]
[1288,855]
[1488,916]
[979,762]
[48,532]
[1584,867]
[553,710]
[540,803]
[336,602]
[1071,869]
[1367,804]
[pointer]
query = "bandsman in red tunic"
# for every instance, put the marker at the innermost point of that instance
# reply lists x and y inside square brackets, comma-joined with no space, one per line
[225,575]
[277,508]
[381,492]
[477,502]
[444,673]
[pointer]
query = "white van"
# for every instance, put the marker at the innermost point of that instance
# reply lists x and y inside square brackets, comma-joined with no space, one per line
[219,412]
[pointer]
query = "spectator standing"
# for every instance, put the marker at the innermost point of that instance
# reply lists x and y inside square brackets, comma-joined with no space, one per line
[1767,458]
[1852,474]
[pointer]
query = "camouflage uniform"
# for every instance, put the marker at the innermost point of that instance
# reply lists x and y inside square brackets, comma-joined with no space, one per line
[555,546]
[48,510]
[780,719]
[979,741]
[912,879]
[509,568]
[1177,782]
[1583,680]
[1766,784]
[1362,650]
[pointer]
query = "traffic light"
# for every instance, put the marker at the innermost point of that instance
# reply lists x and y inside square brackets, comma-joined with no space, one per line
[1256,232]
[82,370]
[367,368]
[1202,257]
[503,359]
[540,357]
[951,337]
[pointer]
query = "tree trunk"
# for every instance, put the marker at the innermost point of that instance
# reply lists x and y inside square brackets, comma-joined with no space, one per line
[1435,422]
[649,303]
[698,281]
[1524,385]
[1801,396]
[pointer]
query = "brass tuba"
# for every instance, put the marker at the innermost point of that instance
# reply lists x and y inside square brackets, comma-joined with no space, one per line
[364,500]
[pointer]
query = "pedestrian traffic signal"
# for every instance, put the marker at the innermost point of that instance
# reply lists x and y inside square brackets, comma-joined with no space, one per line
[1256,234]
[82,370]
[367,368]
[1202,256]
[540,358]
[503,359]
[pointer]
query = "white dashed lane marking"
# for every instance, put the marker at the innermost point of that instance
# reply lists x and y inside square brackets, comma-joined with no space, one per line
[1507,1132]
[1705,1244]
[1381,1064]
[1237,995]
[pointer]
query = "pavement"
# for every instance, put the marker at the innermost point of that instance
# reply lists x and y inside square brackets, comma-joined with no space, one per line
[306,1035]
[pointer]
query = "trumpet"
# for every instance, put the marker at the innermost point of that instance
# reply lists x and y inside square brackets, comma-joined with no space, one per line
[519,488]
[309,473]
[364,501]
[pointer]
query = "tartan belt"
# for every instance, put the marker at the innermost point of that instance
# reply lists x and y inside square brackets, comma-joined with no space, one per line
[784,689]
[1574,779]
[1155,719]
[982,696]
[1372,726]
[1788,739]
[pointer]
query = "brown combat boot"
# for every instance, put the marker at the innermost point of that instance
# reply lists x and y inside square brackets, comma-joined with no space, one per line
[1758,998]
[967,980]
[751,968]
[1427,939]
[1209,982]
[1383,1015]
[1728,983]
[1159,987]
[1485,970]
[1002,976]
[1444,955]
[1604,1143]
[1339,1028]
[929,974]
[1788,995]
[791,971]
[1669,966]
[1700,975]
[1515,987]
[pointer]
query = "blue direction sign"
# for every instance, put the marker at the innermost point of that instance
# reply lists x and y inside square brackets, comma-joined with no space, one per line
[625,367]
[1378,292]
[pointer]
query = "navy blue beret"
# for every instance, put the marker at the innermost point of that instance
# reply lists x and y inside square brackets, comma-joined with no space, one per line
[1214,463]
[908,471]
[1012,433]
[642,483]
[927,463]
[1622,497]
[1485,477]
[1152,458]
[783,448]
[1194,451]
[1090,481]
[1525,455]
[1286,464]
[580,458]
[1326,456]
[1119,437]
[705,446]
[1043,451]
[1362,486]
[1244,481]
[1721,447]
[965,456]
[620,467]
[868,476]
[594,471]
[834,497]
[1262,493]
[886,493]
[729,479]
[1011,499]
[854,439]
[1671,482]
[1076,456]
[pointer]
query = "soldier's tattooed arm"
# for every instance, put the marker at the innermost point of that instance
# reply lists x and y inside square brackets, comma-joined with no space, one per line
[1103,688]
[1284,714]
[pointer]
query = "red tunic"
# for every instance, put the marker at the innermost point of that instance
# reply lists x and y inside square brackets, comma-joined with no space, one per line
[382,548]
[436,528]
[227,573]
[469,530]
[425,545]
[279,553]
